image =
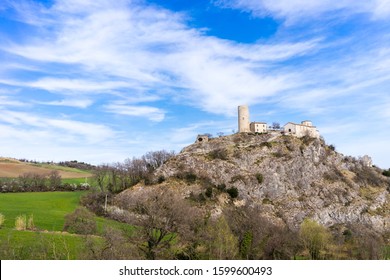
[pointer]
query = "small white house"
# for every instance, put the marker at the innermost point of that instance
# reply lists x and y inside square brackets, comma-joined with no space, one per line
[259,127]
[300,130]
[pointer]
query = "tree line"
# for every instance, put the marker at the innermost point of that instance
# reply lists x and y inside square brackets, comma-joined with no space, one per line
[34,182]
[119,176]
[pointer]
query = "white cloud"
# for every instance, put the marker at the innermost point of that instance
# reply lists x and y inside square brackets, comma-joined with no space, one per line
[151,113]
[77,103]
[126,47]
[132,60]
[6,101]
[58,129]
[77,85]
[294,9]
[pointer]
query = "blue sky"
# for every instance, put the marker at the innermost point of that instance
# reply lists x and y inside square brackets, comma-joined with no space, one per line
[100,81]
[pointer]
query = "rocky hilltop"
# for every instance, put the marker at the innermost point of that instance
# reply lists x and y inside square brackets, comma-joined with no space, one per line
[286,178]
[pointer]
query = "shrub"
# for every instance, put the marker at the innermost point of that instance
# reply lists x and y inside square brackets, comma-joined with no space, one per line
[307,139]
[187,176]
[221,187]
[386,173]
[219,154]
[259,178]
[233,192]
[2,219]
[20,222]
[190,177]
[81,221]
[267,201]
[367,176]
[266,144]
[95,201]
[278,154]
[237,178]
[209,192]
[160,179]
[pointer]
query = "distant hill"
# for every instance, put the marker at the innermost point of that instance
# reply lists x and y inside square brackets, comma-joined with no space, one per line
[12,168]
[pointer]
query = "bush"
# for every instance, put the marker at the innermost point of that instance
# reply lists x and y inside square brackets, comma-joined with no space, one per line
[95,201]
[259,178]
[386,173]
[2,219]
[20,222]
[219,154]
[221,187]
[81,221]
[233,192]
[367,176]
[187,176]
[266,144]
[160,179]
[190,177]
[209,192]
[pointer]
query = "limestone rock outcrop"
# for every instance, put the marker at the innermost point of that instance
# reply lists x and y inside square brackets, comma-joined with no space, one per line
[286,177]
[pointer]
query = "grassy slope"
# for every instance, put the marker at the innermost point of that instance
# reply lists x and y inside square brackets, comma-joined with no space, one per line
[48,210]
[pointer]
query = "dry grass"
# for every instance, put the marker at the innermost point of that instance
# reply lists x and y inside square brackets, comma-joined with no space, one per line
[2,219]
[30,223]
[21,222]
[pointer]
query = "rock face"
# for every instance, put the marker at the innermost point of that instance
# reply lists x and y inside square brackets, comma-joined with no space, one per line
[287,178]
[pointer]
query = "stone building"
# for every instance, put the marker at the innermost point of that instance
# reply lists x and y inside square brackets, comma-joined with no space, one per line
[202,138]
[302,129]
[259,127]
[298,130]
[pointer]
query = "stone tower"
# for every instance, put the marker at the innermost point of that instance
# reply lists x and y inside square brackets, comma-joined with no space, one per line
[243,119]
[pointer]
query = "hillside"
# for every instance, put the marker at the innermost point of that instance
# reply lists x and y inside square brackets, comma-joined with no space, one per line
[12,168]
[287,179]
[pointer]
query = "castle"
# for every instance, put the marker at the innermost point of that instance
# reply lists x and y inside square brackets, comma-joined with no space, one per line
[298,130]
[305,128]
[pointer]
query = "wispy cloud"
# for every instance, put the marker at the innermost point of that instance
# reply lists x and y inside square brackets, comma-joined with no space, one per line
[137,48]
[151,113]
[57,128]
[77,103]
[6,101]
[129,60]
[293,9]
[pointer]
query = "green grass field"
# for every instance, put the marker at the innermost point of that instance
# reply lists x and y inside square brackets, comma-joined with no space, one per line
[47,208]
[47,242]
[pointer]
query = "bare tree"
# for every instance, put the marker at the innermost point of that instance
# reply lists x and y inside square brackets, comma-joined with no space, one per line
[161,215]
[276,125]
[156,159]
[54,179]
